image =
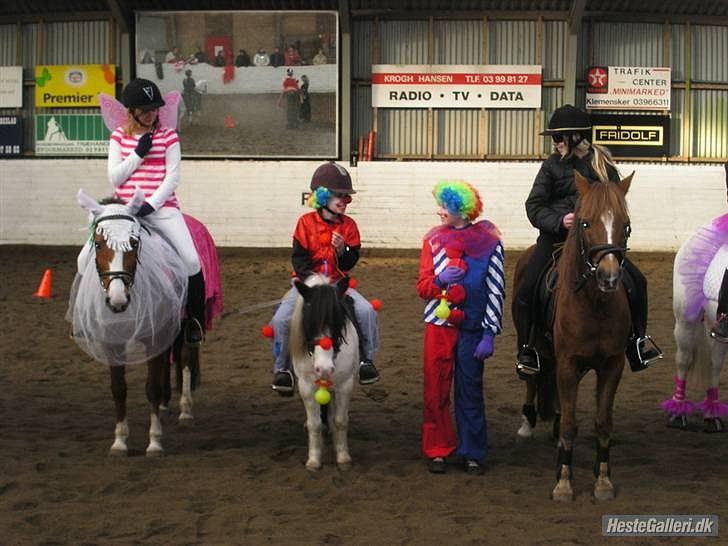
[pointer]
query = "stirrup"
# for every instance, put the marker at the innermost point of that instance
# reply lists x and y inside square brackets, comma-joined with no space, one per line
[648,351]
[524,370]
[194,334]
[719,331]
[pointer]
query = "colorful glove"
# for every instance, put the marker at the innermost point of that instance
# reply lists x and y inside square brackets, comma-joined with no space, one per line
[144,145]
[144,210]
[456,317]
[485,347]
[456,294]
[451,274]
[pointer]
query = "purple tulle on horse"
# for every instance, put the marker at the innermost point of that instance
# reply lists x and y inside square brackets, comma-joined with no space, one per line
[702,248]
[207,253]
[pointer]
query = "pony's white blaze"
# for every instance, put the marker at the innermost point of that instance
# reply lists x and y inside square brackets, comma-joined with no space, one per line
[117,290]
[608,221]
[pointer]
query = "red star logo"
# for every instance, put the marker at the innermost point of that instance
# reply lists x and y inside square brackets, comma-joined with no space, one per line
[597,77]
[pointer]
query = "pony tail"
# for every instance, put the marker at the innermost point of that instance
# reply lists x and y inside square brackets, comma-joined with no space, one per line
[602,161]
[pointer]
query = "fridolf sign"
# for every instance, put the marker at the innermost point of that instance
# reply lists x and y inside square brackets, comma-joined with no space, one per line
[632,135]
[73,86]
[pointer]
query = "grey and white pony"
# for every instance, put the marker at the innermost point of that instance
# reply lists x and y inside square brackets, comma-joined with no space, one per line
[697,274]
[320,314]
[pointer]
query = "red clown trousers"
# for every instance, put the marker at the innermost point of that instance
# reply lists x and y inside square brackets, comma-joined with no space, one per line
[448,354]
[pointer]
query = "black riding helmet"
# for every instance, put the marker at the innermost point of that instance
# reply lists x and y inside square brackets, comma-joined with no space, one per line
[142,94]
[568,119]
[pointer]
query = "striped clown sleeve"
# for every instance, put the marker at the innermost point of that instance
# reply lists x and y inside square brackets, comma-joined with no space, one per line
[496,288]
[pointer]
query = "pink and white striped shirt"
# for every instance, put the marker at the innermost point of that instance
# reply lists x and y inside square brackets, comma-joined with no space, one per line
[157,174]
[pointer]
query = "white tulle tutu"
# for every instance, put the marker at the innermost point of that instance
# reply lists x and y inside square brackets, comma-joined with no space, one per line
[150,323]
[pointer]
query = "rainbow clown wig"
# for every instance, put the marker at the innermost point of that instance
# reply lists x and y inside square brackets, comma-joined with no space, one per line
[459,198]
[319,198]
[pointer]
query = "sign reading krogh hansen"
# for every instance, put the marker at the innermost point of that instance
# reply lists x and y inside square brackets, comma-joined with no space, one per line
[456,86]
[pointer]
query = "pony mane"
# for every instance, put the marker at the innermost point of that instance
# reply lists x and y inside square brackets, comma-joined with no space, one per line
[601,197]
[321,314]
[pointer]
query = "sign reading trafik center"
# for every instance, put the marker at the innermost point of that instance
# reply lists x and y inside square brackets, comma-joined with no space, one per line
[456,86]
[73,86]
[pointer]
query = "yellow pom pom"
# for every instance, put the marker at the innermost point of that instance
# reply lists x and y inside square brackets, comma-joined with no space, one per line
[322,396]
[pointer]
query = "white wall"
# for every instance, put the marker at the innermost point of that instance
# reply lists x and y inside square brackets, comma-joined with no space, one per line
[256,203]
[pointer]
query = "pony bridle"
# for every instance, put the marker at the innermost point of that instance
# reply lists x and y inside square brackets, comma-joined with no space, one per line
[124,276]
[594,254]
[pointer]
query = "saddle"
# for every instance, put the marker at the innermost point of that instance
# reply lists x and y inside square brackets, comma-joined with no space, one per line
[544,298]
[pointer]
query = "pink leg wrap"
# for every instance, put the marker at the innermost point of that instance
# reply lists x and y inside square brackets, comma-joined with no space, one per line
[678,405]
[711,407]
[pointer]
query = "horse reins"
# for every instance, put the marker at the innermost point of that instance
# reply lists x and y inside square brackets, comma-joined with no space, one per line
[598,251]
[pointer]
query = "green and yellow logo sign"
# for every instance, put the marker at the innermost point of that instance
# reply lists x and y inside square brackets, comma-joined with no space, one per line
[73,86]
[71,134]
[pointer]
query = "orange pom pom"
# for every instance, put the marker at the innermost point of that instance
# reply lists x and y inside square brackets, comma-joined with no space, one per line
[267,331]
[353,282]
[376,304]
[325,238]
[325,343]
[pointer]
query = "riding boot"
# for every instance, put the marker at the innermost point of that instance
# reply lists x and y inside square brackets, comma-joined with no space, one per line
[719,331]
[641,349]
[527,361]
[194,330]
[368,373]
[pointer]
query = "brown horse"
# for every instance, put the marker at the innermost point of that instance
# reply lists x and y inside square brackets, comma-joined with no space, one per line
[591,324]
[127,306]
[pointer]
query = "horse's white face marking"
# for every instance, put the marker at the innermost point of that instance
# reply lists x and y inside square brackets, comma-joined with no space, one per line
[608,221]
[117,290]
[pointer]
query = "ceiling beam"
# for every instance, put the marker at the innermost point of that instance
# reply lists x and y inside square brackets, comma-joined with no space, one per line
[575,14]
[121,15]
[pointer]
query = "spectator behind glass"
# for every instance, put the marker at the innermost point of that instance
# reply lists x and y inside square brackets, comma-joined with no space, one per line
[292,57]
[261,58]
[320,58]
[243,59]
[276,58]
[200,55]
[220,58]
[173,55]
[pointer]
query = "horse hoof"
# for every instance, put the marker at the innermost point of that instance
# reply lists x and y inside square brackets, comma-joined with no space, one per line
[313,466]
[603,491]
[186,419]
[155,452]
[117,453]
[562,492]
[344,466]
[713,425]
[679,422]
[525,432]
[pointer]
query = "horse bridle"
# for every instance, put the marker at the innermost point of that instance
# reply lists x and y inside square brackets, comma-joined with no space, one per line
[599,252]
[124,276]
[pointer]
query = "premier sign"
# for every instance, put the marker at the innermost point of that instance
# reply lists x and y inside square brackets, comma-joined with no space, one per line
[456,86]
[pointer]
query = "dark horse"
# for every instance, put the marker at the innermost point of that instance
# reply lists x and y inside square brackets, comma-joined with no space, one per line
[591,324]
[127,307]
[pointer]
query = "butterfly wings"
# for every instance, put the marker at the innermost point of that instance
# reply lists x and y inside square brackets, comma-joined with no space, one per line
[114,113]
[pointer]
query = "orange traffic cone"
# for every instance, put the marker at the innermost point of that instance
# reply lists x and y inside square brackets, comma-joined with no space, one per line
[44,288]
[229,121]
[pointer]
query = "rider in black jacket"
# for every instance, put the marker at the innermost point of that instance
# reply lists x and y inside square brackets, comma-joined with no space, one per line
[550,209]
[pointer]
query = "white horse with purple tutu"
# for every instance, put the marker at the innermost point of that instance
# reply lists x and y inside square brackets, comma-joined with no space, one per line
[697,275]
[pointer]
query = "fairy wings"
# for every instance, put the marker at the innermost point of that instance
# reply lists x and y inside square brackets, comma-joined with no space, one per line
[115,113]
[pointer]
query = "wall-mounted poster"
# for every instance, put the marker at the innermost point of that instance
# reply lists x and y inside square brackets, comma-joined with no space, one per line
[253,83]
[11,86]
[628,88]
[71,135]
[73,86]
